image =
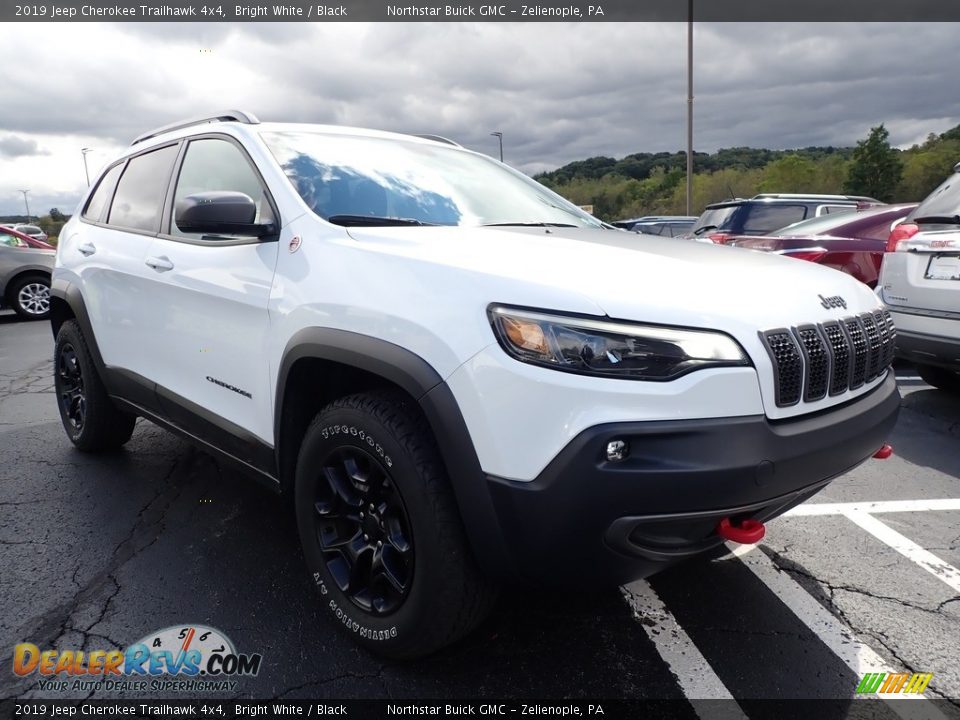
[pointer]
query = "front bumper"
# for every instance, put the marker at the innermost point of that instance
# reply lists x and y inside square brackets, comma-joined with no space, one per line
[585,518]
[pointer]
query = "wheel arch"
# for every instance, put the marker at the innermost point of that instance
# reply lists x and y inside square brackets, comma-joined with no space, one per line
[321,364]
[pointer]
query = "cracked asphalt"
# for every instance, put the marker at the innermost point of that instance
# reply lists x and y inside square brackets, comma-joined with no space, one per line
[98,551]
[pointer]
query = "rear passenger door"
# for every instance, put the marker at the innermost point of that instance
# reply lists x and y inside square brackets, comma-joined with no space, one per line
[209,308]
[107,252]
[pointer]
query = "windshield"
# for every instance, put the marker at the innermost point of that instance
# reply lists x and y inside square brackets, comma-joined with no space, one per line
[714,218]
[357,180]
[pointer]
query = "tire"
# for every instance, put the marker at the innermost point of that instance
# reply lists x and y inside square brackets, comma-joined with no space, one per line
[92,421]
[29,296]
[940,378]
[398,603]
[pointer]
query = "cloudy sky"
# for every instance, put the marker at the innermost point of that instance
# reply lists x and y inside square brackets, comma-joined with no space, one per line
[558,92]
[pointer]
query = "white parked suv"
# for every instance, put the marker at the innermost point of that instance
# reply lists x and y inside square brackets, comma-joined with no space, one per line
[460,377]
[920,284]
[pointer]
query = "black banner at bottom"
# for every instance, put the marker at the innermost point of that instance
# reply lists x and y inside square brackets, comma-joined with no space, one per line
[861,708]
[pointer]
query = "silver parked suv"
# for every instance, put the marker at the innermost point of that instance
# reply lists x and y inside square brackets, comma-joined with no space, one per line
[920,283]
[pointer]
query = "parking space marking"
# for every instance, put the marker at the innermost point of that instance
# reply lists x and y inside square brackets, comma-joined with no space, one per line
[696,678]
[857,655]
[883,506]
[943,571]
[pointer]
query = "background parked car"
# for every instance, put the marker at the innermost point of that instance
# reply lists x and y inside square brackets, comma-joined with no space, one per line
[762,214]
[853,243]
[25,274]
[32,230]
[920,283]
[667,225]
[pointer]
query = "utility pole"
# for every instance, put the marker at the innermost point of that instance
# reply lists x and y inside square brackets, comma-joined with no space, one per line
[499,136]
[86,172]
[27,203]
[689,107]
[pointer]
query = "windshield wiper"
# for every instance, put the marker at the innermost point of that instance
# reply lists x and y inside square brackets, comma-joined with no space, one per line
[938,220]
[703,228]
[529,224]
[373,220]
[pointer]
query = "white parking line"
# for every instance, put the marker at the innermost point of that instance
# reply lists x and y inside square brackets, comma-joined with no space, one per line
[943,571]
[857,655]
[696,678]
[885,506]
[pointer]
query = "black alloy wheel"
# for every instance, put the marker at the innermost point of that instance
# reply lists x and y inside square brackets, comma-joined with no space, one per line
[363,530]
[73,399]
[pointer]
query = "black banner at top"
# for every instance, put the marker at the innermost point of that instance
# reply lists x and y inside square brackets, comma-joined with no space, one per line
[469,11]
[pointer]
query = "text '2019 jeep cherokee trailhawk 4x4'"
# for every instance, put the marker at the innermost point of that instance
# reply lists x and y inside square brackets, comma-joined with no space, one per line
[461,378]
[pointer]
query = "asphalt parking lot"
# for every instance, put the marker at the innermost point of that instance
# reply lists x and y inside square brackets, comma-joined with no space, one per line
[97,551]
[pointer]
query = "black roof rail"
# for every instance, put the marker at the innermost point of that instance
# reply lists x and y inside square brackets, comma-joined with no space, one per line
[224,116]
[439,138]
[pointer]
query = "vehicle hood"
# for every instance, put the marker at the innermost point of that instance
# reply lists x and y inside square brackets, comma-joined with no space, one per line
[650,278]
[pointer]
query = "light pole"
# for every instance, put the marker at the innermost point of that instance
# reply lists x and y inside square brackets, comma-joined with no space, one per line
[689,107]
[499,136]
[27,203]
[86,172]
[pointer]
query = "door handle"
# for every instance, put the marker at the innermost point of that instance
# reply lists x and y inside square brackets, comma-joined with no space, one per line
[87,249]
[160,264]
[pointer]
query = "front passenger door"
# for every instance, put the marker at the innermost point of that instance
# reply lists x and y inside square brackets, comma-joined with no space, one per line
[210,310]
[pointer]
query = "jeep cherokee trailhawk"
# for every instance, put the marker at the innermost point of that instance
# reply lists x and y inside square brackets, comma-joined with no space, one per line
[461,378]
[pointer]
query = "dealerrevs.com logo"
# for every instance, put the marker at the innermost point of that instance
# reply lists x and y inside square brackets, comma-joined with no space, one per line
[182,658]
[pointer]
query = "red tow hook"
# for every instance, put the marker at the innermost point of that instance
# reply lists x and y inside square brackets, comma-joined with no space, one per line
[884,452]
[747,533]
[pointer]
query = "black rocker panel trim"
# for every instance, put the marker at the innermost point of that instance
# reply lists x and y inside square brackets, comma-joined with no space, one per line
[142,396]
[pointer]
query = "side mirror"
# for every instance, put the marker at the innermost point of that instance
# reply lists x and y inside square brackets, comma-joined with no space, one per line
[220,213]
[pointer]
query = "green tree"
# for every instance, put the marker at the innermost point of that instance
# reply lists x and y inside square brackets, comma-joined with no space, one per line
[876,168]
[56,215]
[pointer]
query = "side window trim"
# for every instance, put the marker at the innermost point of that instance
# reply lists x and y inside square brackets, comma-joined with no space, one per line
[168,209]
[106,206]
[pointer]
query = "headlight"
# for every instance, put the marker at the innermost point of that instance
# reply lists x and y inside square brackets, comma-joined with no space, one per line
[610,349]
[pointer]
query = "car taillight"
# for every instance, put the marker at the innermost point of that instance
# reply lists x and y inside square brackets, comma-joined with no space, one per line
[720,238]
[903,231]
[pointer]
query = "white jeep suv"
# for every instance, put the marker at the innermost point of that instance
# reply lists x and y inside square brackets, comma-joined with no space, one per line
[461,378]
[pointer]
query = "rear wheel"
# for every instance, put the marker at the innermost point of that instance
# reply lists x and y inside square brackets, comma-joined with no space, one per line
[29,296]
[88,414]
[940,378]
[380,529]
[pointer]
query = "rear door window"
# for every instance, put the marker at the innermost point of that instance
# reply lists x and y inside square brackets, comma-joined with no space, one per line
[138,202]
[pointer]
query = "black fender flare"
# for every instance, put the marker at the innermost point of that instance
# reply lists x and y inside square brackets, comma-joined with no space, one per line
[421,381]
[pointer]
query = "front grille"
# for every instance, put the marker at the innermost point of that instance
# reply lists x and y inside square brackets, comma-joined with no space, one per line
[812,361]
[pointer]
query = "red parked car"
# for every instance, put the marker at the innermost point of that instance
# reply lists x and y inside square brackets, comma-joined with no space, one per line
[853,243]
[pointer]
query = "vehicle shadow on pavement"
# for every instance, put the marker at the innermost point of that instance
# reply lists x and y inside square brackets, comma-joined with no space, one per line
[920,412]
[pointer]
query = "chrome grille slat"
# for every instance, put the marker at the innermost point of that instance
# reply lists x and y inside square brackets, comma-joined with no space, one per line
[815,360]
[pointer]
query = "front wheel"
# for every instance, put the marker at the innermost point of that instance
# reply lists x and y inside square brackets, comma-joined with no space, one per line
[380,529]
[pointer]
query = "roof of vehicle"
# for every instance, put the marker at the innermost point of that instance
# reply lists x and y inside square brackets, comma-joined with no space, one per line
[243,118]
[798,197]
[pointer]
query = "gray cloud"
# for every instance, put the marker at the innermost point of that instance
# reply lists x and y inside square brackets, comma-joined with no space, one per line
[12,146]
[558,92]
